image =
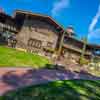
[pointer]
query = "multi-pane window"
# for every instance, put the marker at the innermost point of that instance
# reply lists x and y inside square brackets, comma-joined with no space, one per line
[34,43]
[49,44]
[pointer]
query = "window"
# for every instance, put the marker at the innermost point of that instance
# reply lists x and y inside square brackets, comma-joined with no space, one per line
[49,44]
[34,43]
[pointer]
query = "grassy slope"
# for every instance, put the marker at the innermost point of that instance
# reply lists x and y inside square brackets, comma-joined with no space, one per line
[12,57]
[59,90]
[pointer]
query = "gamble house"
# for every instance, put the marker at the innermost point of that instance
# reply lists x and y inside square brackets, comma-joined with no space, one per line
[40,34]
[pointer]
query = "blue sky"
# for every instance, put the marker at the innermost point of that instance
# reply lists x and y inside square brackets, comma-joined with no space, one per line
[83,15]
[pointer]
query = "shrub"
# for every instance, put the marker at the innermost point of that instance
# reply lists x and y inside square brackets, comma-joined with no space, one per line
[50,66]
[83,61]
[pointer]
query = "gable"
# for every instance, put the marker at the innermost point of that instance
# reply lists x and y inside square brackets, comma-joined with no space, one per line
[47,19]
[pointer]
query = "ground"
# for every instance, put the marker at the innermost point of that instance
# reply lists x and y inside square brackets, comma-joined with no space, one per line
[14,78]
[58,90]
[19,70]
[14,58]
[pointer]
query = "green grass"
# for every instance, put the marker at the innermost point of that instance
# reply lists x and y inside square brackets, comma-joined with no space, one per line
[59,90]
[13,58]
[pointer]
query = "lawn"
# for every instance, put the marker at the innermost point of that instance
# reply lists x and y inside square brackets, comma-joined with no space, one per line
[59,90]
[11,57]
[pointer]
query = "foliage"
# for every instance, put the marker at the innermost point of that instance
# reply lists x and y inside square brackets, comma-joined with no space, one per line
[96,60]
[82,58]
[59,90]
[12,57]
[83,61]
[50,66]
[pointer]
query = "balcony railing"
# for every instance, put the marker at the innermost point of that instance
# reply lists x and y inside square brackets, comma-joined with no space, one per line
[9,27]
[75,48]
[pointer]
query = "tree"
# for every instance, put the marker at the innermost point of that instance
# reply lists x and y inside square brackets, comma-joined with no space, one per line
[84,46]
[82,58]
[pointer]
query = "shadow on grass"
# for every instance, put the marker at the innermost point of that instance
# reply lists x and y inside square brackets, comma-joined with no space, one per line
[60,90]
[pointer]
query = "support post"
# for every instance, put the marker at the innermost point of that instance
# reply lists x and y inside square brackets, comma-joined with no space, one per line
[60,44]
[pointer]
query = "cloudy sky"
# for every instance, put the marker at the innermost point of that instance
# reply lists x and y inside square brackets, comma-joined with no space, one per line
[83,15]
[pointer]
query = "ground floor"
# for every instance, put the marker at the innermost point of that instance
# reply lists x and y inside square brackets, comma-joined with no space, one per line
[32,45]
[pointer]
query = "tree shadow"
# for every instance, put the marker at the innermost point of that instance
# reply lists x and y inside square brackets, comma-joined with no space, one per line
[11,79]
[64,90]
[41,76]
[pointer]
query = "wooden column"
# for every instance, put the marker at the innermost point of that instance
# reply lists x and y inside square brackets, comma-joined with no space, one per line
[60,44]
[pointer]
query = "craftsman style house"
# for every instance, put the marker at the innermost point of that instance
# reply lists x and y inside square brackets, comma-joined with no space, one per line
[40,34]
[37,33]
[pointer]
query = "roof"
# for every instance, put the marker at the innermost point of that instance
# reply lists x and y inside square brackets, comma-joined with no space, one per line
[91,46]
[7,25]
[46,17]
[2,14]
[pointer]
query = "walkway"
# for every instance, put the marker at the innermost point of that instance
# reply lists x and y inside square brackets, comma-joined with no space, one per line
[13,78]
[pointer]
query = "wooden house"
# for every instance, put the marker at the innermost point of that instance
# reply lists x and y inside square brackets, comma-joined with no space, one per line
[40,34]
[37,33]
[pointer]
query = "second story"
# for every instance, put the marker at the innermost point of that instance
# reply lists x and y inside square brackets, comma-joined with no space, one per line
[37,27]
[7,22]
[76,45]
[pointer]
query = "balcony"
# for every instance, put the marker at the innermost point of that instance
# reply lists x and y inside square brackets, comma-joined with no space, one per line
[75,48]
[9,27]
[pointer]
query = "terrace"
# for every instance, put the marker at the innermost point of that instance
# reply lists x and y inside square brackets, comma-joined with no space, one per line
[75,45]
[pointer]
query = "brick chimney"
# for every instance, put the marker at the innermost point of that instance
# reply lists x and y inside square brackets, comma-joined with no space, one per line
[1,10]
[70,31]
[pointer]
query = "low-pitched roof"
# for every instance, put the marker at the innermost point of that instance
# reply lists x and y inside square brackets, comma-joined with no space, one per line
[46,17]
[49,19]
[3,15]
[91,46]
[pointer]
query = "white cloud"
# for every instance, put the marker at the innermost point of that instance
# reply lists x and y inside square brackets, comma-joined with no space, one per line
[95,20]
[59,6]
[94,34]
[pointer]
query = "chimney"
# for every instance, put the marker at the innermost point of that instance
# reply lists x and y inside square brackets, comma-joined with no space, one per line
[1,10]
[70,31]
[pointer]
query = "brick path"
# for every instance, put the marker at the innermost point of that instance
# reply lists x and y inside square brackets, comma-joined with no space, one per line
[13,78]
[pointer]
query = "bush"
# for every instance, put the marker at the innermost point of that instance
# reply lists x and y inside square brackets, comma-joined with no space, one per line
[50,66]
[83,61]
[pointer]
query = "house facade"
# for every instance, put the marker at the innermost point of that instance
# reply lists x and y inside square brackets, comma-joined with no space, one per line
[40,34]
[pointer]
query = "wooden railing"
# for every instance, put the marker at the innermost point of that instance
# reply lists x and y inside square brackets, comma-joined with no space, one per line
[70,46]
[9,27]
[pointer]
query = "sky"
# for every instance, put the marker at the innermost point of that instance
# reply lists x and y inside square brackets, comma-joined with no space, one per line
[83,15]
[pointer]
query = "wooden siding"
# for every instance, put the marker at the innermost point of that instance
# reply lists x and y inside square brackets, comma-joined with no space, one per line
[38,31]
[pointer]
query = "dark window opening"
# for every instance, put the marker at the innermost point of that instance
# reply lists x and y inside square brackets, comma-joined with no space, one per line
[49,44]
[34,43]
